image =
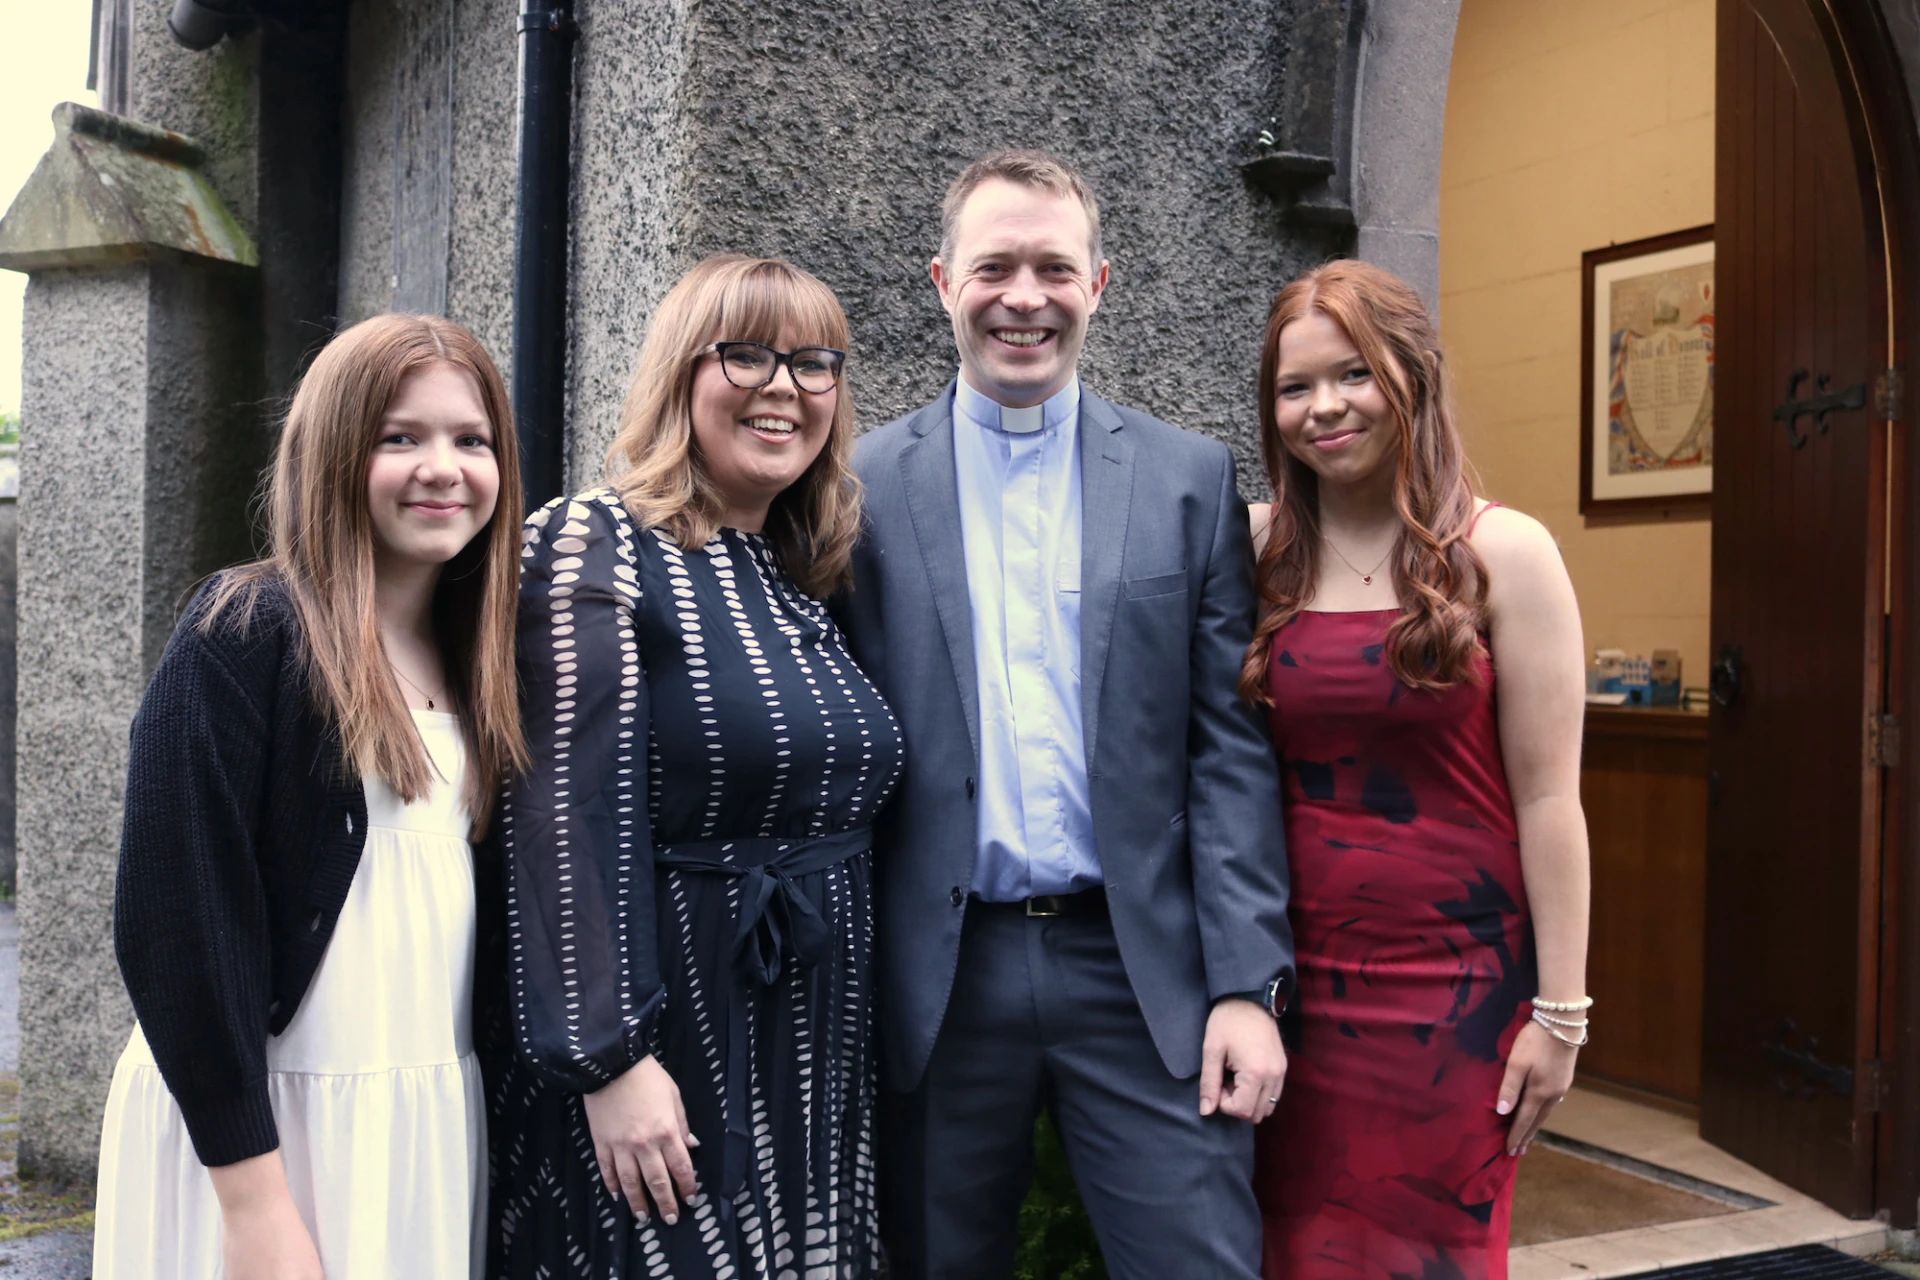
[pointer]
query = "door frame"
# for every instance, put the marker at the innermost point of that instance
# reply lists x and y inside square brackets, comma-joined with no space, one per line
[1887,989]
[1867,49]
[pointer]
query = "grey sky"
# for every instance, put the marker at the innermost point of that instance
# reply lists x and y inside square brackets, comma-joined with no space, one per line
[43,62]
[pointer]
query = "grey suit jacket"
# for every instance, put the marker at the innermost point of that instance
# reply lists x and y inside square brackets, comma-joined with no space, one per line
[1185,790]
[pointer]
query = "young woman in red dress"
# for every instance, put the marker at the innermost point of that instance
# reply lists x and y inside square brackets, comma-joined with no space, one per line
[1419,651]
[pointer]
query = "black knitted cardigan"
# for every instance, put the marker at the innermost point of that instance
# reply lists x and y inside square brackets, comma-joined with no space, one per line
[244,826]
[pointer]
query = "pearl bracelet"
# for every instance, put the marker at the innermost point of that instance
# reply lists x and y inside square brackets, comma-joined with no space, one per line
[1544,1018]
[1570,1006]
[1560,1035]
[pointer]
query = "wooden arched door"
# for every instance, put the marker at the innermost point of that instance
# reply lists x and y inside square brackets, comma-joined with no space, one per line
[1801,602]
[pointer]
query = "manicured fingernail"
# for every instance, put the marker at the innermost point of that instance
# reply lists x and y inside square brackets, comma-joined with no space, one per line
[693,1201]
[670,1218]
[1523,1150]
[692,1141]
[1502,1107]
[1514,1152]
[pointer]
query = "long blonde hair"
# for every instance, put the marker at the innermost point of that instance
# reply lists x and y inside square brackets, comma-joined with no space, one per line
[654,462]
[322,548]
[1434,643]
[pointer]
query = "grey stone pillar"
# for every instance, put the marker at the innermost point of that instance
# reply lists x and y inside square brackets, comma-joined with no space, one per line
[9,653]
[1400,115]
[140,432]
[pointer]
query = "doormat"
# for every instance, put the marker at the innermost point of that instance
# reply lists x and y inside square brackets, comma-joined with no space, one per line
[1657,1173]
[1567,1190]
[1803,1262]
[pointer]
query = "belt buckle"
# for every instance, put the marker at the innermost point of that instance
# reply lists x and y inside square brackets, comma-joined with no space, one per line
[1051,899]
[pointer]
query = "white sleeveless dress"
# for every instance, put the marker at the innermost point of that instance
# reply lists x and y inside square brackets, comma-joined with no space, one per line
[374,1084]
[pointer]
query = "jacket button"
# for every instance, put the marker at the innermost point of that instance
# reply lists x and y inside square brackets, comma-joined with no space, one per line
[955,896]
[273,1008]
[969,788]
[349,824]
[313,926]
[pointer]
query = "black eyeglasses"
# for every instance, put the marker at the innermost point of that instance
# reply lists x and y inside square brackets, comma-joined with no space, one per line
[751,365]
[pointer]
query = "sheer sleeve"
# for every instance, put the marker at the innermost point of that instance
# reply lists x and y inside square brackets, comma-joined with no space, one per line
[585,968]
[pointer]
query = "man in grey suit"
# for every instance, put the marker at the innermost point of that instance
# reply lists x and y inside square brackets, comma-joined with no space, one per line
[1082,885]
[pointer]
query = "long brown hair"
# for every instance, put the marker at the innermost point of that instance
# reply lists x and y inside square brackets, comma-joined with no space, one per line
[654,462]
[322,548]
[1434,643]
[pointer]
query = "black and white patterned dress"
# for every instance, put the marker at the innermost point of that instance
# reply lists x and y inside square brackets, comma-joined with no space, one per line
[688,876]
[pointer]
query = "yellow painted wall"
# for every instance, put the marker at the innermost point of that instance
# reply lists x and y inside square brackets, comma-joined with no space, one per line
[1570,126]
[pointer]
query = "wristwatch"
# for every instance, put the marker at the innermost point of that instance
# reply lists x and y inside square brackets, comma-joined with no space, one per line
[1272,997]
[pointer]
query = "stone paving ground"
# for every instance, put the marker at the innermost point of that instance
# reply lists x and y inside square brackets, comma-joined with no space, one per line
[46,1232]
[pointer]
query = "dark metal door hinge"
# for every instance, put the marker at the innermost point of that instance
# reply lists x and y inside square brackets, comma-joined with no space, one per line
[1798,1071]
[1883,741]
[1816,406]
[1872,1085]
[1890,396]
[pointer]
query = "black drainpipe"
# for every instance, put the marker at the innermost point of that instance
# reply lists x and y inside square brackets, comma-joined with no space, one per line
[540,245]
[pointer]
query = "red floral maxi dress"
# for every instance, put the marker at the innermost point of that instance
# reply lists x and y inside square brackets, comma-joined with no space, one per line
[1385,1157]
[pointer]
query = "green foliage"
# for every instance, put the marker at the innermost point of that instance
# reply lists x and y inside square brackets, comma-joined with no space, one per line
[9,427]
[1056,1240]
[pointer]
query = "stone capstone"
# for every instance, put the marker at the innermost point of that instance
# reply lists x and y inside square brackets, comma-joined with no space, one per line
[114,190]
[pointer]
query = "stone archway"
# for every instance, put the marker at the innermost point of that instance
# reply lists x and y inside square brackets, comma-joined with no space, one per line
[1400,114]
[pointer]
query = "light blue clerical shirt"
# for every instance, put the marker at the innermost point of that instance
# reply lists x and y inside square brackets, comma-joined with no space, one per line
[1019,473]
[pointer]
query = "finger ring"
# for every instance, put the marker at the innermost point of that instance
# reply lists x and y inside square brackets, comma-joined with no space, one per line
[1273,1099]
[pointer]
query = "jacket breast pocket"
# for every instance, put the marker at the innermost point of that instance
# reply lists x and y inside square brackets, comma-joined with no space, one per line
[1159,584]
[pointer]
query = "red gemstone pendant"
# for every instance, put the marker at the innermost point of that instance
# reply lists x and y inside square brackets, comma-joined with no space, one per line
[1367,578]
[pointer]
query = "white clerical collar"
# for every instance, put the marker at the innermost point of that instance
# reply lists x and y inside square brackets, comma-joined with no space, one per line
[987,412]
[1023,420]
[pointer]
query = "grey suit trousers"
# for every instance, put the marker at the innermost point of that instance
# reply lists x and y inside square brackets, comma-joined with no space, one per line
[1042,1015]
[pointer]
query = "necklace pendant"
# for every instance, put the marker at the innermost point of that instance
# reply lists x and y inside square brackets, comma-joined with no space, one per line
[429,704]
[1366,579]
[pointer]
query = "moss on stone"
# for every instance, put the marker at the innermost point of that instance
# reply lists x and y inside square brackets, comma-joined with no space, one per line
[33,1206]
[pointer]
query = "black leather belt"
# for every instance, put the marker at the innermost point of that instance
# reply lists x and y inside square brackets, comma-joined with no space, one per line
[1087,902]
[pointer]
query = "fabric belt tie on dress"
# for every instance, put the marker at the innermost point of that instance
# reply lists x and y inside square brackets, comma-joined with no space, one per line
[778,926]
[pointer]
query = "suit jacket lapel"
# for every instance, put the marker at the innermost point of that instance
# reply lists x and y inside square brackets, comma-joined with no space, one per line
[1106,492]
[933,503]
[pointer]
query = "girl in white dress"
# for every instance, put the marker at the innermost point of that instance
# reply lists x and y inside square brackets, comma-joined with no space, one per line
[297,909]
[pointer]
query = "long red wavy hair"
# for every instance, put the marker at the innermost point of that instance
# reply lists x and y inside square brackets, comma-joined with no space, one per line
[1440,581]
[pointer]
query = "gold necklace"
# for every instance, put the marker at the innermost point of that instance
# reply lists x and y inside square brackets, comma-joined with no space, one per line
[429,697]
[1366,579]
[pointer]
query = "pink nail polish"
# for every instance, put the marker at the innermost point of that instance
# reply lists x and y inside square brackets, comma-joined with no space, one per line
[1503,1107]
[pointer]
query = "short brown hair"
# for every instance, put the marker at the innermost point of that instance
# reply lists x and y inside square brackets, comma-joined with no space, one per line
[1034,169]
[654,463]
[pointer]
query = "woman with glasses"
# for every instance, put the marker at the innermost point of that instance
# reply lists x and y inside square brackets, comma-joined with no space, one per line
[688,857]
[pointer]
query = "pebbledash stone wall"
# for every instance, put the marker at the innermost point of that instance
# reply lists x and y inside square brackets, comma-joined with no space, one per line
[827,136]
[831,142]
